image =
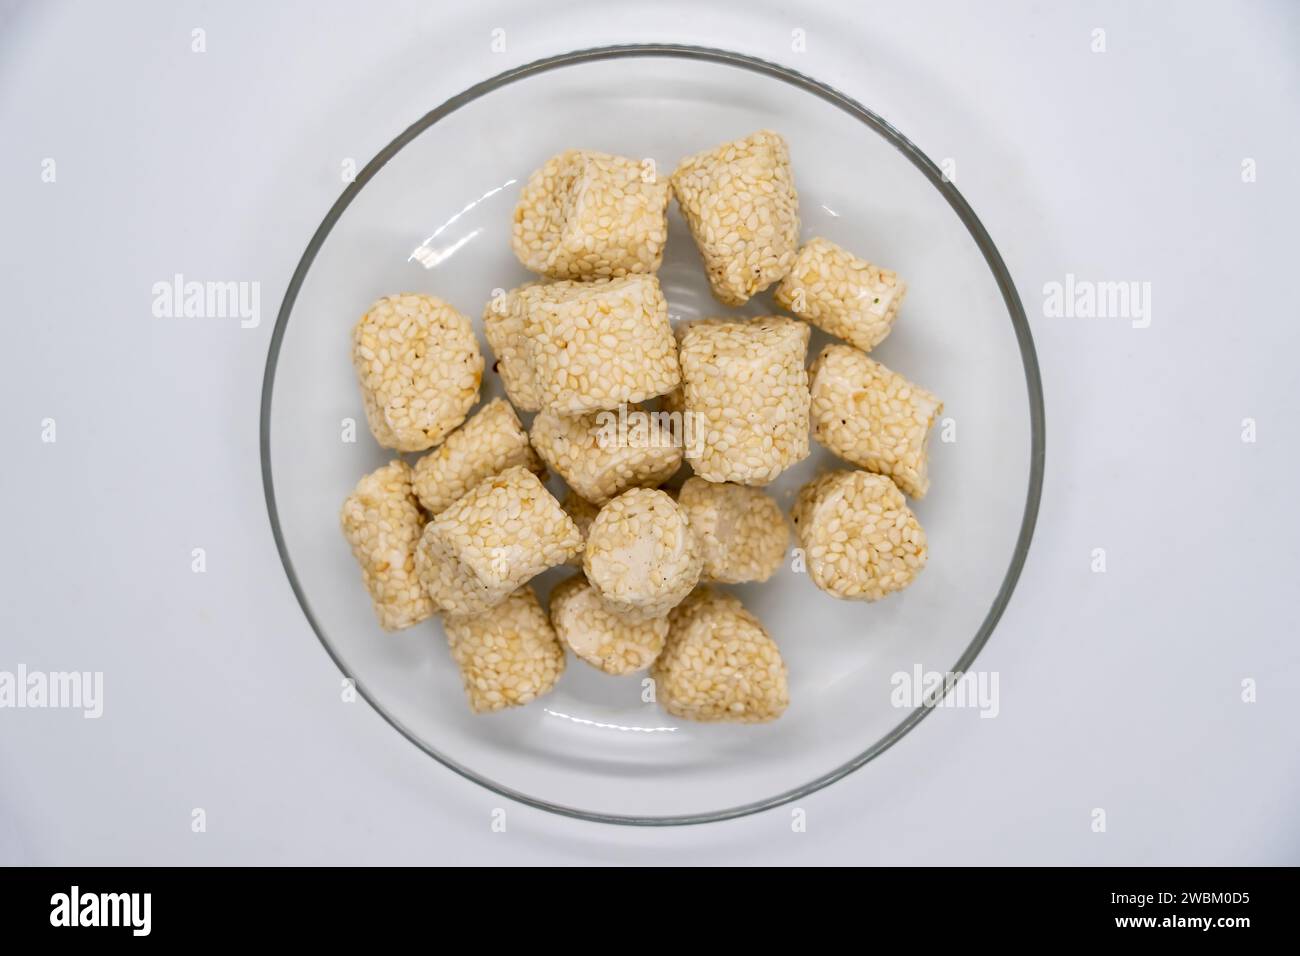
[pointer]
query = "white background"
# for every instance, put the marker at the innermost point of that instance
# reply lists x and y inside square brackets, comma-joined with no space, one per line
[1120,691]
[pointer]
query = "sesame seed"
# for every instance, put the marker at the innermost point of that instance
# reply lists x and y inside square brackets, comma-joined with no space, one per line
[641,554]
[590,215]
[382,523]
[842,295]
[860,539]
[739,183]
[599,635]
[742,531]
[719,664]
[508,655]
[744,380]
[419,368]
[486,445]
[873,417]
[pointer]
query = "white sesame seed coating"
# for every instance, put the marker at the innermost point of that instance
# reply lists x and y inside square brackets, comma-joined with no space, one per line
[742,531]
[641,555]
[873,417]
[419,368]
[597,462]
[509,529]
[860,539]
[588,215]
[744,381]
[740,203]
[382,523]
[606,640]
[841,294]
[583,513]
[598,345]
[505,531]
[719,663]
[489,443]
[451,586]
[508,656]
[503,326]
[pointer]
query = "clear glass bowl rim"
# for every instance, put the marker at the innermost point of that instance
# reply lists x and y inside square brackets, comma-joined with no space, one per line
[927,167]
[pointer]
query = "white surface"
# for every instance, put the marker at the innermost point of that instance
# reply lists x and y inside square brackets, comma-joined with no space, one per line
[1118,690]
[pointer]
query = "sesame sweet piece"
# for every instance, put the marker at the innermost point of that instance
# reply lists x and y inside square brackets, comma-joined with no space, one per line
[598,345]
[508,655]
[641,555]
[599,462]
[507,530]
[489,443]
[382,522]
[503,326]
[841,294]
[745,385]
[719,663]
[450,585]
[740,203]
[742,531]
[860,539]
[873,417]
[606,640]
[419,368]
[583,513]
[590,215]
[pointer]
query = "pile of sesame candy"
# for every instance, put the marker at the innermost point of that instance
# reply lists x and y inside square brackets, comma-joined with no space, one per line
[621,403]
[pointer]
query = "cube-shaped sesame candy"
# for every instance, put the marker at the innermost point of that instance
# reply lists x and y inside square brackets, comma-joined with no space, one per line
[603,454]
[873,417]
[842,295]
[503,326]
[745,385]
[605,639]
[419,368]
[508,529]
[489,443]
[719,663]
[598,345]
[505,531]
[641,556]
[450,585]
[589,215]
[860,540]
[740,203]
[382,523]
[508,655]
[743,533]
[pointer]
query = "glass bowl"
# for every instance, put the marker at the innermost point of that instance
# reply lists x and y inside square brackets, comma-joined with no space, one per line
[432,213]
